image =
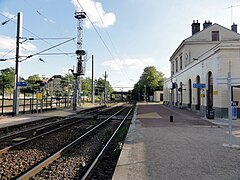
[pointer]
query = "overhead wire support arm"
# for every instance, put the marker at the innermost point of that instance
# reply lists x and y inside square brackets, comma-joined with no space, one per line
[55,53]
[47,49]
[11,19]
[48,38]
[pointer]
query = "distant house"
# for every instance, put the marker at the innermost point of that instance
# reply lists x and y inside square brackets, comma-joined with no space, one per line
[53,85]
[198,63]
[158,96]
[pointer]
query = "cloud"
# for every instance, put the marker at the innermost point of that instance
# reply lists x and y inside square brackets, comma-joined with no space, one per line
[95,12]
[9,15]
[29,47]
[7,43]
[134,63]
[8,46]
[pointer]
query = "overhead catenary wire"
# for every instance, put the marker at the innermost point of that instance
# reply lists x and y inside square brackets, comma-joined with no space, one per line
[47,54]
[103,41]
[7,53]
[45,18]
[59,44]
[51,38]
[38,12]
[104,26]
[35,35]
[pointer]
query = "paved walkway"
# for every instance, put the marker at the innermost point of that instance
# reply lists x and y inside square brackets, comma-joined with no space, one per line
[189,148]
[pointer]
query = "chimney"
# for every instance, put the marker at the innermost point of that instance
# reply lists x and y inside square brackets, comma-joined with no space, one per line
[234,27]
[195,27]
[206,24]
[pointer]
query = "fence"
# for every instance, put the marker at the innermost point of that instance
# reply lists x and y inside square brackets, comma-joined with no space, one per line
[33,105]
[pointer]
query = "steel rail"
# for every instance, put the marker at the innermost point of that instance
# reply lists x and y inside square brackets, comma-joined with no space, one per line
[33,171]
[34,128]
[84,111]
[38,136]
[101,154]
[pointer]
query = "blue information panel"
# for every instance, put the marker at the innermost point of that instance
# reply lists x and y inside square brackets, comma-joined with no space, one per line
[22,84]
[200,86]
[234,111]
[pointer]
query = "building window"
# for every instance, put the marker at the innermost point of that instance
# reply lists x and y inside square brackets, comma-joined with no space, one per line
[176,66]
[180,62]
[215,35]
[173,68]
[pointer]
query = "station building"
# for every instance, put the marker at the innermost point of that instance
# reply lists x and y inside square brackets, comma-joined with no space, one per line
[200,67]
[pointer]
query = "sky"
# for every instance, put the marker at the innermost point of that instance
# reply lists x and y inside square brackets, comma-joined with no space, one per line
[124,36]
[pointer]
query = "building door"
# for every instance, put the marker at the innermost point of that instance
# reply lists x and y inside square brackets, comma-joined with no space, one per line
[190,93]
[181,93]
[210,90]
[177,98]
[198,94]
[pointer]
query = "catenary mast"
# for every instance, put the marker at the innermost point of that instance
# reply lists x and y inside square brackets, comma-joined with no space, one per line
[81,57]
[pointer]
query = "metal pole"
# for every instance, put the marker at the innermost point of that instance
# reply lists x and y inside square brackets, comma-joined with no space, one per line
[68,90]
[37,102]
[2,98]
[75,92]
[41,105]
[105,88]
[93,88]
[145,93]
[171,102]
[24,101]
[16,90]
[80,60]
[229,106]
[79,90]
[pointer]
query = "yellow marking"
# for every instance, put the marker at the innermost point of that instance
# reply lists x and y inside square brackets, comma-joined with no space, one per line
[236,133]
[19,139]
[149,115]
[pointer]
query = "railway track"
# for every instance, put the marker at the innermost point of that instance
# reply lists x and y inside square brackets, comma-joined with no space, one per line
[17,129]
[44,126]
[21,158]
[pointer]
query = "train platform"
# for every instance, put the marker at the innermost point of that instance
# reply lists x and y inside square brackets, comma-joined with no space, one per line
[190,147]
[6,121]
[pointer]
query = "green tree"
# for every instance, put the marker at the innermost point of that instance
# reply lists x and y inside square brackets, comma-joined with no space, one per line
[33,79]
[66,84]
[87,86]
[100,84]
[7,78]
[151,80]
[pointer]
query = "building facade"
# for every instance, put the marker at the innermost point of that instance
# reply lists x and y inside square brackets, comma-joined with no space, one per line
[200,66]
[53,86]
[158,96]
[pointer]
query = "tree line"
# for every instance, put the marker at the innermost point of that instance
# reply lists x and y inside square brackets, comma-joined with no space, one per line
[35,82]
[150,80]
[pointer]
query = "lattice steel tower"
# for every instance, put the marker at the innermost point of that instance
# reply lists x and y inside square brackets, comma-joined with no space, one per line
[81,56]
[80,52]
